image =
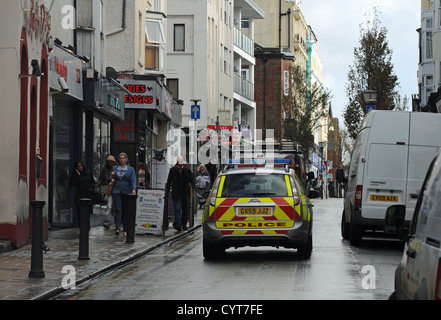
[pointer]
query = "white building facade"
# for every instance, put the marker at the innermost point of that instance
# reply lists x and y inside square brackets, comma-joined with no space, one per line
[210,58]
[429,67]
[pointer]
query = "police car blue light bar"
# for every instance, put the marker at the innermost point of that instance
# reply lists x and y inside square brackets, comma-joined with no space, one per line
[258,161]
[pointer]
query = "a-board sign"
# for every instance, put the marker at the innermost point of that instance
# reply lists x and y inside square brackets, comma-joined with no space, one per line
[150,211]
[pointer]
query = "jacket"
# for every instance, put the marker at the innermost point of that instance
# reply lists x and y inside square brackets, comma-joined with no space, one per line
[126,183]
[179,182]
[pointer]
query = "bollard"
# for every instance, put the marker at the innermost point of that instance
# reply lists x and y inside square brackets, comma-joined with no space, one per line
[129,209]
[84,221]
[37,240]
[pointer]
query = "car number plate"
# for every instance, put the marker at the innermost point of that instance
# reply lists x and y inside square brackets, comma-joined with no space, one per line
[386,198]
[254,211]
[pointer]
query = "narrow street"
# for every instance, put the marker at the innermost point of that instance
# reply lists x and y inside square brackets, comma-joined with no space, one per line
[335,271]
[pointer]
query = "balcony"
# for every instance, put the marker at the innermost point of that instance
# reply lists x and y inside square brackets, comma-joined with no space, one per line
[243,87]
[242,41]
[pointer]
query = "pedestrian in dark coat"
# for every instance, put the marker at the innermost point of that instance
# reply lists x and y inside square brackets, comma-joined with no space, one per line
[179,180]
[82,179]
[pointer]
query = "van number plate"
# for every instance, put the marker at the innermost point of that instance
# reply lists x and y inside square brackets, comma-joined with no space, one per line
[254,211]
[386,198]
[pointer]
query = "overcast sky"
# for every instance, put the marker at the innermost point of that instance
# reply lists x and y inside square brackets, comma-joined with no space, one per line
[336,26]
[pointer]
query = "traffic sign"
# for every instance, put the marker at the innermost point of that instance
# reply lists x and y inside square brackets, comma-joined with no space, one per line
[195,112]
[370,108]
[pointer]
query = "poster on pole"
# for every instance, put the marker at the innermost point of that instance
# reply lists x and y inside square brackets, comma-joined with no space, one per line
[150,211]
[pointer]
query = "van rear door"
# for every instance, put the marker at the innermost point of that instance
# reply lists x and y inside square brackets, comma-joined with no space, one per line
[425,133]
[384,182]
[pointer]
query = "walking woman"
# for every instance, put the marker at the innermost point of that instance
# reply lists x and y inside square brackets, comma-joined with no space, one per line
[123,181]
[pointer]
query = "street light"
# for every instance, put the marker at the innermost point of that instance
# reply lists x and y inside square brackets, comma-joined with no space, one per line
[370,96]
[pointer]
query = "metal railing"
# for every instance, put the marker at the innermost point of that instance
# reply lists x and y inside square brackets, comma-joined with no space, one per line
[244,42]
[243,87]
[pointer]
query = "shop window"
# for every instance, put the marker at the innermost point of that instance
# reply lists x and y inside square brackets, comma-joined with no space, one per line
[101,144]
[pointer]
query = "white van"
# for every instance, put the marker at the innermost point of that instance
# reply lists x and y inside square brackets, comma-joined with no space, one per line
[392,153]
[418,276]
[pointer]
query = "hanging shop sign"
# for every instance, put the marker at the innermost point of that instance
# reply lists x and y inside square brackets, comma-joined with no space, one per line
[145,94]
[66,73]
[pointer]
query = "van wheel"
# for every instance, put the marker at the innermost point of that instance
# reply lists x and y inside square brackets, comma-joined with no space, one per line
[355,235]
[305,251]
[344,227]
[211,251]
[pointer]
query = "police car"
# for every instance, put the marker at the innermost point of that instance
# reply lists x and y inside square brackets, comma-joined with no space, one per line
[257,206]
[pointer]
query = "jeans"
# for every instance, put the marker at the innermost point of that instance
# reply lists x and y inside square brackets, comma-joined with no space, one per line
[117,207]
[181,211]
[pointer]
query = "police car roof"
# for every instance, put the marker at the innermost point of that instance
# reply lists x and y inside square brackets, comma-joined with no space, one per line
[255,170]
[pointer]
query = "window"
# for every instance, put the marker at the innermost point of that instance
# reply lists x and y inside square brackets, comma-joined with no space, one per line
[154,41]
[154,31]
[179,37]
[173,85]
[286,83]
[226,60]
[429,80]
[245,23]
[429,48]
[250,185]
[429,24]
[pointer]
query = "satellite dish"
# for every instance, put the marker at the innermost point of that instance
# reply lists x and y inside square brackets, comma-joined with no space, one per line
[111,73]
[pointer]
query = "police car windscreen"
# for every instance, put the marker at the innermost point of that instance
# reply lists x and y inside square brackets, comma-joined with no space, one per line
[250,185]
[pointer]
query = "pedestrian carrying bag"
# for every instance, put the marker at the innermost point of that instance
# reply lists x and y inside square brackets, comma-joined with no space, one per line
[109,190]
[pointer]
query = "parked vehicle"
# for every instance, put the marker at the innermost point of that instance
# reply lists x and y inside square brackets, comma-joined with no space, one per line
[392,153]
[418,276]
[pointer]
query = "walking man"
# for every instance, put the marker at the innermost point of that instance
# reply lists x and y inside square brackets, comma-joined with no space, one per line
[179,180]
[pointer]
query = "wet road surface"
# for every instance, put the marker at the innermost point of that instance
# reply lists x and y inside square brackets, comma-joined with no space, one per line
[178,271]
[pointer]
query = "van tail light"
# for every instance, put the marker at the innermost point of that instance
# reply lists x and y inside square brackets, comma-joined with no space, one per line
[438,282]
[358,195]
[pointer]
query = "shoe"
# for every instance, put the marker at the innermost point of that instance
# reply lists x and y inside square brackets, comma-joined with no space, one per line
[117,232]
[125,234]
[106,225]
[176,226]
[184,228]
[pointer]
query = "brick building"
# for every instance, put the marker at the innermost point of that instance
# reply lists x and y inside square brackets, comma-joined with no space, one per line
[271,65]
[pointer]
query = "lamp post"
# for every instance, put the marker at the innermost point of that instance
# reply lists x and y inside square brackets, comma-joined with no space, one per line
[322,147]
[370,98]
[195,115]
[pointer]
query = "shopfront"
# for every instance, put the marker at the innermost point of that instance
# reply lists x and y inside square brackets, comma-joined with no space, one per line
[81,118]
[150,111]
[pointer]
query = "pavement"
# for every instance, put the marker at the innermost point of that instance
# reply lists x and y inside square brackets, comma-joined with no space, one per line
[106,251]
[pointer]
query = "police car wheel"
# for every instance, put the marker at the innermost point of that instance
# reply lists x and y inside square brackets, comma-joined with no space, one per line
[305,251]
[211,251]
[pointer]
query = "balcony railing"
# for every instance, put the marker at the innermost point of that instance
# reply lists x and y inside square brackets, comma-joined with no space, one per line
[243,87]
[244,42]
